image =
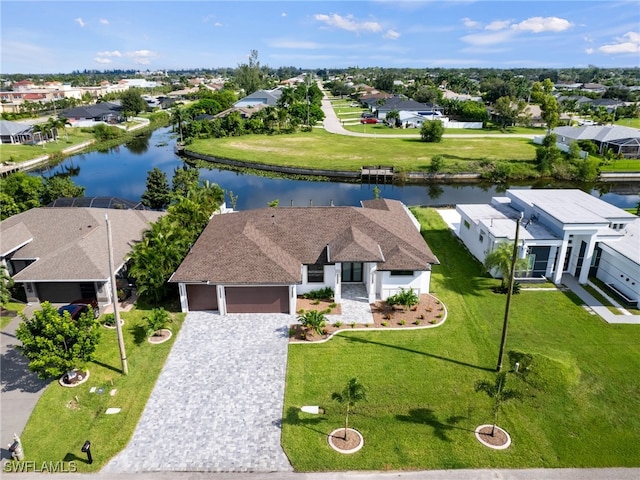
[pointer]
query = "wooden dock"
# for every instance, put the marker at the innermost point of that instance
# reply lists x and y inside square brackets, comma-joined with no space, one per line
[376,174]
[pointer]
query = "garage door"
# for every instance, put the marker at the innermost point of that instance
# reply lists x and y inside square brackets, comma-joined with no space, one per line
[202,297]
[257,299]
[59,292]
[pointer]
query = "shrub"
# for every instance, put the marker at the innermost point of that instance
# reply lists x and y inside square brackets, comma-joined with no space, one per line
[319,294]
[313,320]
[403,321]
[384,324]
[156,320]
[109,320]
[417,322]
[338,324]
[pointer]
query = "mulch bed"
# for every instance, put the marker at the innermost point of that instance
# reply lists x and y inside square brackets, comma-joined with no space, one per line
[160,336]
[352,441]
[498,439]
[428,312]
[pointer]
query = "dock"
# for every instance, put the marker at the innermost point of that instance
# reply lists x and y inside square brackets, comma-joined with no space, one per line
[376,174]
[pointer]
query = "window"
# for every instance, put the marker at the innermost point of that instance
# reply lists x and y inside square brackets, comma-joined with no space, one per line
[401,273]
[481,236]
[315,273]
[466,224]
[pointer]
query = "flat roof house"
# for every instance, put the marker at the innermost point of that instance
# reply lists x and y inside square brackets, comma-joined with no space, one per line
[259,261]
[561,232]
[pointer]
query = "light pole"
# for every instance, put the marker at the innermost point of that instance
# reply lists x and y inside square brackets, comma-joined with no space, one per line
[512,270]
[114,299]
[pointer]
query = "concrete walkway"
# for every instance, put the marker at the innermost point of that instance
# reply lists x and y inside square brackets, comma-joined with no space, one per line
[217,404]
[20,388]
[355,306]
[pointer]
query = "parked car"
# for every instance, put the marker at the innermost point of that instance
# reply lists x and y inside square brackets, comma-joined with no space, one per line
[80,306]
[354,104]
[368,115]
[368,120]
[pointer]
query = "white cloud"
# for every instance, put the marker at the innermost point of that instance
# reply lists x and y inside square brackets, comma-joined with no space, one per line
[348,23]
[589,51]
[102,60]
[207,18]
[114,53]
[283,14]
[80,22]
[629,43]
[104,21]
[482,39]
[391,35]
[217,24]
[498,25]
[542,24]
[142,57]
[467,22]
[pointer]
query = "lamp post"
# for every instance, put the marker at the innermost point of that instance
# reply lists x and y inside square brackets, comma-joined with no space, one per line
[114,298]
[512,270]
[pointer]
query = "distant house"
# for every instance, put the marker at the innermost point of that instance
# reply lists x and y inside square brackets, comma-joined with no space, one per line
[401,104]
[258,261]
[265,97]
[15,132]
[245,112]
[86,116]
[61,254]
[621,140]
[561,232]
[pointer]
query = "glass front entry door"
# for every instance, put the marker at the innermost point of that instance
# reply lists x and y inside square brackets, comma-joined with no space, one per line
[352,272]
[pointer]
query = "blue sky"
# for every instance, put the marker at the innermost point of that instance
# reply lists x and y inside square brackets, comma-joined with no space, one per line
[61,36]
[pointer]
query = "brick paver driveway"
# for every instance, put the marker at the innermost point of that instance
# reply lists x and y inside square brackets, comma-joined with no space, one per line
[217,405]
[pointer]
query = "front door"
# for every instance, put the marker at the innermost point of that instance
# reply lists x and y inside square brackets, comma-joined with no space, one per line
[352,272]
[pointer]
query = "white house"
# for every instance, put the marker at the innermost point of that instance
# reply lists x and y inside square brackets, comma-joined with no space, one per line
[561,232]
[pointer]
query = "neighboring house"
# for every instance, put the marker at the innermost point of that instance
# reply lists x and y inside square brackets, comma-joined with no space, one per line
[14,132]
[245,112]
[622,140]
[401,104]
[266,97]
[260,260]
[61,254]
[415,120]
[561,232]
[86,116]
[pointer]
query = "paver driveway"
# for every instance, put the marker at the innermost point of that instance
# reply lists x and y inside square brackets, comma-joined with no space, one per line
[217,405]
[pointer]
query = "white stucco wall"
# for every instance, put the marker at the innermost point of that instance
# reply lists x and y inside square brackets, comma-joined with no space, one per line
[388,285]
[329,280]
[619,271]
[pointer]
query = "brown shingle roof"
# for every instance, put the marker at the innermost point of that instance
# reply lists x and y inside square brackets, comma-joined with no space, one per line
[270,245]
[70,244]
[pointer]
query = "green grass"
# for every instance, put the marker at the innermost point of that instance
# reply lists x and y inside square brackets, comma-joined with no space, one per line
[21,153]
[323,150]
[626,165]
[11,306]
[383,129]
[56,432]
[422,408]
[629,122]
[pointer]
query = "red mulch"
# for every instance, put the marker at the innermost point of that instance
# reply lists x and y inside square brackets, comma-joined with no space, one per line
[428,312]
[340,443]
[498,439]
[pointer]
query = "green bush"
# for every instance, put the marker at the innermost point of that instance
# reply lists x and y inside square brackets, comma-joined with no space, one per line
[319,294]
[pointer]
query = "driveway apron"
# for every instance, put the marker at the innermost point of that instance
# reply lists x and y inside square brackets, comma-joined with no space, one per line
[217,405]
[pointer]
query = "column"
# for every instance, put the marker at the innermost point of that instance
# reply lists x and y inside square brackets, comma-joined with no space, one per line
[553,253]
[557,275]
[586,261]
[337,289]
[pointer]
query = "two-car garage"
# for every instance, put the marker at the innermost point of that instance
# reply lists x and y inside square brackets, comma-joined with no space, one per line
[237,299]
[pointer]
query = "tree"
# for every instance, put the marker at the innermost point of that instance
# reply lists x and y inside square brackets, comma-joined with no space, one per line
[500,260]
[437,162]
[184,179]
[351,394]
[19,192]
[60,187]
[157,195]
[248,76]
[6,284]
[432,131]
[509,110]
[132,102]
[393,118]
[55,344]
[497,393]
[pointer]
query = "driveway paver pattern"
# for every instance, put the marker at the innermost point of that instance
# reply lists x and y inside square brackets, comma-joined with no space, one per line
[217,405]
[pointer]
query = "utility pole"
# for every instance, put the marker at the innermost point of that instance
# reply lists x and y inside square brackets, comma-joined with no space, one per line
[114,298]
[514,258]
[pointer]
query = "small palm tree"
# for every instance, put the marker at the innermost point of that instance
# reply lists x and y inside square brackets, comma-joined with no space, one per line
[500,259]
[497,392]
[352,393]
[313,320]
[156,320]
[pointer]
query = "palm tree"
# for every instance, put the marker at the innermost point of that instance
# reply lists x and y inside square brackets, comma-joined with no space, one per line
[287,98]
[313,320]
[352,393]
[496,392]
[500,259]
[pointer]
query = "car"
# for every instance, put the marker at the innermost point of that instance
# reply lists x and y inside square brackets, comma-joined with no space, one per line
[368,115]
[354,104]
[80,306]
[368,120]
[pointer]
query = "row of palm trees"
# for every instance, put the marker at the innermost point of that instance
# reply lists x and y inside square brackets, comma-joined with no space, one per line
[49,130]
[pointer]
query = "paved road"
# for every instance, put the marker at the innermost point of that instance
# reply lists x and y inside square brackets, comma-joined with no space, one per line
[217,404]
[20,389]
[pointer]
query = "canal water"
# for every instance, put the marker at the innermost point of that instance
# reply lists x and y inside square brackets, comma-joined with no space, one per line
[122,172]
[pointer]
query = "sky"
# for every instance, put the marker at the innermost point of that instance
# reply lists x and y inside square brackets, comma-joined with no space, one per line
[63,36]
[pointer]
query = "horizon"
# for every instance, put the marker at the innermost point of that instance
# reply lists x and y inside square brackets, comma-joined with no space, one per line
[54,37]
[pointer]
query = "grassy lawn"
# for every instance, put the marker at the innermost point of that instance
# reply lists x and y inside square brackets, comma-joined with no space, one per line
[422,408]
[626,165]
[629,122]
[21,153]
[12,307]
[58,427]
[383,129]
[340,152]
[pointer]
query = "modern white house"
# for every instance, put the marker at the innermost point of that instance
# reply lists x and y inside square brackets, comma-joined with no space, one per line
[561,232]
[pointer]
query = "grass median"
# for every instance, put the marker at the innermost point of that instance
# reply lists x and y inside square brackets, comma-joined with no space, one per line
[580,401]
[65,417]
